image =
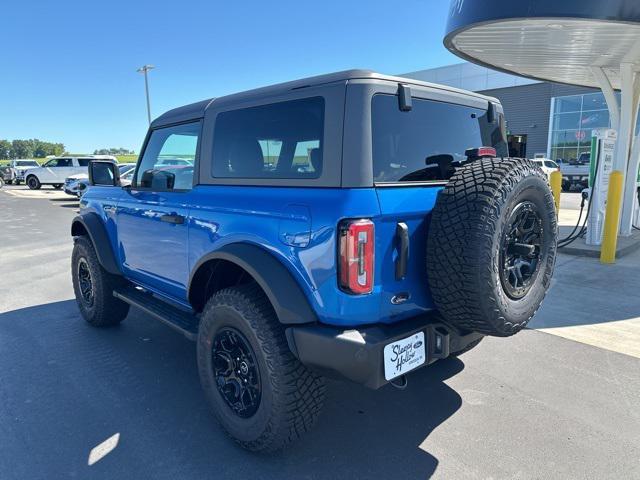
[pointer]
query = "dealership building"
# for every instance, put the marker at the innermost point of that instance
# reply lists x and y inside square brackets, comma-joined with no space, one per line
[542,117]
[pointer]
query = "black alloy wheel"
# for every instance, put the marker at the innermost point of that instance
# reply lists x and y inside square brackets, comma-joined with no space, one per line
[236,372]
[85,282]
[520,250]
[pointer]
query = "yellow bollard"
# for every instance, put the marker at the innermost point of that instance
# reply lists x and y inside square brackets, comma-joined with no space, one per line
[556,187]
[612,218]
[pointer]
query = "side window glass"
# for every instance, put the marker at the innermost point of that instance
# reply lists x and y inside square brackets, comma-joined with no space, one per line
[306,158]
[270,153]
[83,162]
[278,140]
[169,157]
[64,162]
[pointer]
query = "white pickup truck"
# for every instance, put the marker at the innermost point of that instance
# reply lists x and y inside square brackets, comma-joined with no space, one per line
[575,175]
[56,170]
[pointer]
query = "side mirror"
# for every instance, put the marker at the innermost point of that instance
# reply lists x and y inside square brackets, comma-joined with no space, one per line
[104,173]
[158,179]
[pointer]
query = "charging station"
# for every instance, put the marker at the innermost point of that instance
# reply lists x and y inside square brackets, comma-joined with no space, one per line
[603,147]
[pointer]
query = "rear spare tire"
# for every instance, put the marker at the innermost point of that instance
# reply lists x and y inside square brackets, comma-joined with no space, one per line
[491,246]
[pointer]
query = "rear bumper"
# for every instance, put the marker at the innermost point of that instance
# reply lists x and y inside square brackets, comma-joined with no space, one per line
[358,354]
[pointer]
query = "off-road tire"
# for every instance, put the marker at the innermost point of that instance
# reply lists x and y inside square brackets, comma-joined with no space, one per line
[291,395]
[33,183]
[464,245]
[105,310]
[57,186]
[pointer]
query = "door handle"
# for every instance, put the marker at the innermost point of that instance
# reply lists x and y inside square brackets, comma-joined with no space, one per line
[173,218]
[402,234]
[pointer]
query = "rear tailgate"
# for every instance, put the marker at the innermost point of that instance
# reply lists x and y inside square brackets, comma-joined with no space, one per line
[408,295]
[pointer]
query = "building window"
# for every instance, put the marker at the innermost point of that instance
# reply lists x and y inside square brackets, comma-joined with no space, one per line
[573,119]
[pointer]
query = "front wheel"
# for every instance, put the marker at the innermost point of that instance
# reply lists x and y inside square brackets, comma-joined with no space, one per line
[94,286]
[33,183]
[263,397]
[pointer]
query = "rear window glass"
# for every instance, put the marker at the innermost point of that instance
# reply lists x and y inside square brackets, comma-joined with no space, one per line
[280,140]
[428,143]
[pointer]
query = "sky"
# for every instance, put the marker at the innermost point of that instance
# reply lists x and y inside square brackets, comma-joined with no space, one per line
[68,67]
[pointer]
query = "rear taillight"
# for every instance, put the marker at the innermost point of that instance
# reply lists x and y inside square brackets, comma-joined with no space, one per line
[356,256]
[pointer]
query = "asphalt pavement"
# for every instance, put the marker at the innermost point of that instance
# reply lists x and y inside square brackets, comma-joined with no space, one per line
[532,406]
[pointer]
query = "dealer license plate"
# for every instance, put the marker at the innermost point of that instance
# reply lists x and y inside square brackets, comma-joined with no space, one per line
[404,355]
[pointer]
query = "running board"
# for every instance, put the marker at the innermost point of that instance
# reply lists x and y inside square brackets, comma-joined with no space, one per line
[180,320]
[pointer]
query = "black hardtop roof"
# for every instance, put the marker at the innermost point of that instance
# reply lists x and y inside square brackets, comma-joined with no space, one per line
[196,110]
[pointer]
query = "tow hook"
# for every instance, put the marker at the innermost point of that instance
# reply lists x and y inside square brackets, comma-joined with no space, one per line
[400,382]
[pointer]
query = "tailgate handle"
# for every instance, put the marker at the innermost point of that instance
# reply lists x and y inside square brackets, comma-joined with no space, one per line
[402,234]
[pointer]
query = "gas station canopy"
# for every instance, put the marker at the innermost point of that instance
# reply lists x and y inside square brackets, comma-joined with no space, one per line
[552,40]
[593,43]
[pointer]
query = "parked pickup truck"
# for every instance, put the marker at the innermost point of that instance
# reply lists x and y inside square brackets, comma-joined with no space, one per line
[56,170]
[16,170]
[575,175]
[352,225]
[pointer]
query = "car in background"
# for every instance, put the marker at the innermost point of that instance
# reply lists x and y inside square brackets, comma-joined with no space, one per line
[16,170]
[575,173]
[547,165]
[76,185]
[56,170]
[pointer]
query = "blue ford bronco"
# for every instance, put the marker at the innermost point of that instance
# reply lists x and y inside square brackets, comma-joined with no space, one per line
[351,225]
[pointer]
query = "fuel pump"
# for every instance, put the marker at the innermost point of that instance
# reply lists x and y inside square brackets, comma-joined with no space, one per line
[603,146]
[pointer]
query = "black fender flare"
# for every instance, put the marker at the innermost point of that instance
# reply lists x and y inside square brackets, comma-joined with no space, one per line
[93,225]
[285,294]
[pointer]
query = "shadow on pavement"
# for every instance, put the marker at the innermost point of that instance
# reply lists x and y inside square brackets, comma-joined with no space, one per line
[67,387]
[585,292]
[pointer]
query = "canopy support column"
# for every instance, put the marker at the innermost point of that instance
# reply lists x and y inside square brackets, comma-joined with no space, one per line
[626,159]
[609,96]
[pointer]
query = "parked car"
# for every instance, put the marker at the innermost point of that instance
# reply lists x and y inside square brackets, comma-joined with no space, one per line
[14,172]
[547,165]
[337,226]
[76,185]
[575,173]
[56,170]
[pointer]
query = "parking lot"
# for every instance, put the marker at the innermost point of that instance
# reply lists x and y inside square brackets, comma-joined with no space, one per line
[559,400]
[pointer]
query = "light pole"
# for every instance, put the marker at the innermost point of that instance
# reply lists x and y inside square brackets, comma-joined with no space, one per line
[145,69]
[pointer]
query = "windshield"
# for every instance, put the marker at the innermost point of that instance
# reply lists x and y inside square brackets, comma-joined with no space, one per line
[428,142]
[584,158]
[27,163]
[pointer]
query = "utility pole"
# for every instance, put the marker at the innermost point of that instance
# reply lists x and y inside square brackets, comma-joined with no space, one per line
[145,69]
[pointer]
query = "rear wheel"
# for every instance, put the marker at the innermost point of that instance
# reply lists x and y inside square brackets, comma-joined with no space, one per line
[9,182]
[263,397]
[94,286]
[33,183]
[492,245]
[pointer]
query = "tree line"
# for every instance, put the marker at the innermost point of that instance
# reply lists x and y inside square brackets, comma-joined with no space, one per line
[32,148]
[113,151]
